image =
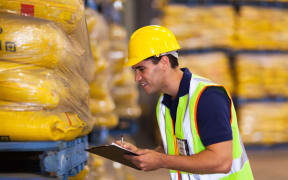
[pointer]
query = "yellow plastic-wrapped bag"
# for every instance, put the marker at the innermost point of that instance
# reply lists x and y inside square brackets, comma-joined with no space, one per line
[100,63]
[28,89]
[39,42]
[262,28]
[126,100]
[265,123]
[125,78]
[40,126]
[124,94]
[105,120]
[201,26]
[214,66]
[117,61]
[69,14]
[66,13]
[97,25]
[104,105]
[268,78]
[128,111]
[99,86]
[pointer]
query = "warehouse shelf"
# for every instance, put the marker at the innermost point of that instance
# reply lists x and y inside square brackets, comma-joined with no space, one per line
[98,136]
[60,158]
[262,100]
[203,2]
[264,147]
[91,4]
[204,50]
[268,4]
[260,51]
[230,51]
[125,126]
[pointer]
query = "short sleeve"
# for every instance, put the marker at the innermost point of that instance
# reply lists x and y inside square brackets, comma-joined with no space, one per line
[213,116]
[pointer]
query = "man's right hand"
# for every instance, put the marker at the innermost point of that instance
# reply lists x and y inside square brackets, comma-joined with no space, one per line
[128,146]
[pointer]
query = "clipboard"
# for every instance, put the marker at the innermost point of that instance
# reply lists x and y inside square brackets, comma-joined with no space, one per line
[115,153]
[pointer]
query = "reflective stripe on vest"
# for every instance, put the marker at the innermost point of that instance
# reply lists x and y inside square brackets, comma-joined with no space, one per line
[186,128]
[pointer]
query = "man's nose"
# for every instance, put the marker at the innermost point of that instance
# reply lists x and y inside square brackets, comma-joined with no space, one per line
[138,76]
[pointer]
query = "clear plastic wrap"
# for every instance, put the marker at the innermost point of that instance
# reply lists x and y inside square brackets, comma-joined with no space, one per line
[25,87]
[99,39]
[101,103]
[80,39]
[34,41]
[97,26]
[30,90]
[45,66]
[66,13]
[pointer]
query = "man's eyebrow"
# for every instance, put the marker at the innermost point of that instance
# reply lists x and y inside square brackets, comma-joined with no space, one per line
[138,67]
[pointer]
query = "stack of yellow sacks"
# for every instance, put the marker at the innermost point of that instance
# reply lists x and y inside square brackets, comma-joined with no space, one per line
[214,66]
[262,28]
[201,26]
[43,86]
[124,89]
[101,103]
[264,122]
[262,75]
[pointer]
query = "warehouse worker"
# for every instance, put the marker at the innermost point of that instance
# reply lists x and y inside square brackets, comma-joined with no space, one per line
[196,117]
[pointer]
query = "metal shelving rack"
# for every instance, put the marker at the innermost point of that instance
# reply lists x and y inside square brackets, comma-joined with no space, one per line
[56,158]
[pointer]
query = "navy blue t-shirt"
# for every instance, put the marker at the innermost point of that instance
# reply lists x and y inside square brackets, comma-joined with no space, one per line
[213,111]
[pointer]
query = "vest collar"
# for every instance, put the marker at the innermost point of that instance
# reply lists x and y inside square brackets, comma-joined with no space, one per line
[183,88]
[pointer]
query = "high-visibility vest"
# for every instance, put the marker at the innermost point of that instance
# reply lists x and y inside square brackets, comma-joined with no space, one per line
[186,130]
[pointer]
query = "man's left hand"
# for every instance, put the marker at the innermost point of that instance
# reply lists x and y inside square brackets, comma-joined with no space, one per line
[147,160]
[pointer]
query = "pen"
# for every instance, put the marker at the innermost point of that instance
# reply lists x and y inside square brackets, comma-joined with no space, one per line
[122,139]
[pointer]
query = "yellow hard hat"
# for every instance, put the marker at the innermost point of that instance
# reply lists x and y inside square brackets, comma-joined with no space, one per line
[150,41]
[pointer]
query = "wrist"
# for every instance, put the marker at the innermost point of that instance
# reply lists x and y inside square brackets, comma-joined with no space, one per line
[163,158]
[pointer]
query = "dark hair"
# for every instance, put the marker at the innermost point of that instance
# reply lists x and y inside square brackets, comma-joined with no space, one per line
[172,59]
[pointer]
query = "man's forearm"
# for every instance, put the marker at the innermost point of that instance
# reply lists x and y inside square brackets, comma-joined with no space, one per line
[159,149]
[208,161]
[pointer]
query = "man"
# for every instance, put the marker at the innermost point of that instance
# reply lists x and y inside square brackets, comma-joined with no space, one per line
[196,117]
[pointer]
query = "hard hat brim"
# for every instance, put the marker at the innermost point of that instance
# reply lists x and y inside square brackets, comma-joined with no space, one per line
[132,62]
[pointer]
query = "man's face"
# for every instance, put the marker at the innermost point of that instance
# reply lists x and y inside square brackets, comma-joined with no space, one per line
[148,75]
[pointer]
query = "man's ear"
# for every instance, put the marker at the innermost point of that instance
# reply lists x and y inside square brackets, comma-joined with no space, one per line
[165,63]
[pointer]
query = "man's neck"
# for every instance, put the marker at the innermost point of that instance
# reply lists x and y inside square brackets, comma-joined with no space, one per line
[174,77]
